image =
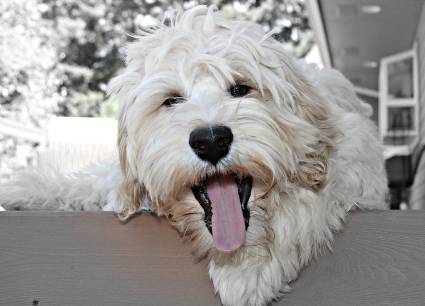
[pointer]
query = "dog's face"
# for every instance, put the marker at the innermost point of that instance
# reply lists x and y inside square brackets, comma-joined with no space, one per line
[216,127]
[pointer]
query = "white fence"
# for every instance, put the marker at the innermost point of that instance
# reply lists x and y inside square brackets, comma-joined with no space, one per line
[68,143]
[73,142]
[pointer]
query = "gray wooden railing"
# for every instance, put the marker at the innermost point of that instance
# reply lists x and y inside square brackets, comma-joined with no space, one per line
[92,259]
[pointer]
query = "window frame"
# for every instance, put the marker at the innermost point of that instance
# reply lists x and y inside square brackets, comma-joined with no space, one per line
[385,102]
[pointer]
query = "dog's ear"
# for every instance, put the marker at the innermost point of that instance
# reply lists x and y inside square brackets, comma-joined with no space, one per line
[313,166]
[313,169]
[131,193]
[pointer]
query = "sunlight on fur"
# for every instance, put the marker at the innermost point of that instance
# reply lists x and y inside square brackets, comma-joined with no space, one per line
[297,140]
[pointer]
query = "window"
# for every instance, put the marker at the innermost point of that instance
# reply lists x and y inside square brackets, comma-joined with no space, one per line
[398,95]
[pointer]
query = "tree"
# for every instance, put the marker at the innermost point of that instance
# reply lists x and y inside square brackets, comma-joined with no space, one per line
[28,78]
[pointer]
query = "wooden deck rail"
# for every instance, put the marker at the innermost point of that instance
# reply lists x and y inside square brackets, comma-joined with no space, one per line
[91,259]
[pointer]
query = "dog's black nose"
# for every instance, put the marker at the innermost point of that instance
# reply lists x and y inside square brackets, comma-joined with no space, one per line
[211,143]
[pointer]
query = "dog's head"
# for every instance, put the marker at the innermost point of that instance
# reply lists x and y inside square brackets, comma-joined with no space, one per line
[217,125]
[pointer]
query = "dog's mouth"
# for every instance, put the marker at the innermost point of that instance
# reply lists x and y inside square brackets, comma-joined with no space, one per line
[224,199]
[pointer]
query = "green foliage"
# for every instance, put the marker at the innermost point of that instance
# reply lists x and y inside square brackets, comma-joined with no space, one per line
[29,77]
[109,108]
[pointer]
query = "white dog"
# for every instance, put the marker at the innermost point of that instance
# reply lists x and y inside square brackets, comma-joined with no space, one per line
[254,156]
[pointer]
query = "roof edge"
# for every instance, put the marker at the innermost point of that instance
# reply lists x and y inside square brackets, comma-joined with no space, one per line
[316,23]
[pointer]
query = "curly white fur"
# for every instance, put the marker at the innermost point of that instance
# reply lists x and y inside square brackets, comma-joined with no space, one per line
[301,133]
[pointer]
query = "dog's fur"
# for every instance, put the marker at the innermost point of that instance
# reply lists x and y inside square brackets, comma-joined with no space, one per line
[301,133]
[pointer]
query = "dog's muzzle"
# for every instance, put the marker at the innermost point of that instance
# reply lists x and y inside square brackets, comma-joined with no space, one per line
[224,199]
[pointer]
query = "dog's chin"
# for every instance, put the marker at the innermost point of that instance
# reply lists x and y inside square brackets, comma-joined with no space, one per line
[224,199]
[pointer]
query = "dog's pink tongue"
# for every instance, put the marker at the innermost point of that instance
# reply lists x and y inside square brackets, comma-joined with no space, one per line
[228,224]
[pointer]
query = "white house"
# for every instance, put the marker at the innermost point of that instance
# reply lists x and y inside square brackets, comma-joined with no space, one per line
[380,46]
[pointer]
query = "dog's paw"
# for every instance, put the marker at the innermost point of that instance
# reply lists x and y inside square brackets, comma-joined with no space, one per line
[258,285]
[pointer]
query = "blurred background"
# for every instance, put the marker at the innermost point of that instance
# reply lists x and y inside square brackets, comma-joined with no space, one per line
[57,56]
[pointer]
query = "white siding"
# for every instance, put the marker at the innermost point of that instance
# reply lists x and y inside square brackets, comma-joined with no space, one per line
[417,200]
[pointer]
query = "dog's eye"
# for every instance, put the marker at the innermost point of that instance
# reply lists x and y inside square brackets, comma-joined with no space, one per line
[172,101]
[239,90]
